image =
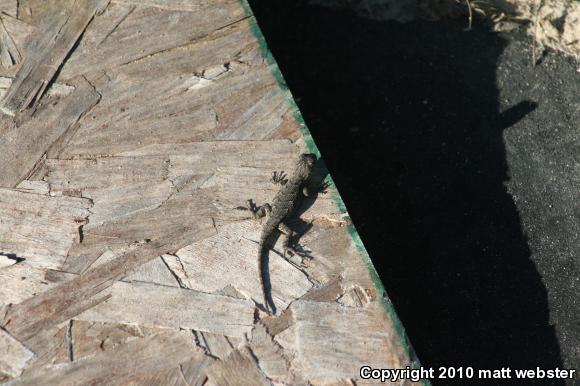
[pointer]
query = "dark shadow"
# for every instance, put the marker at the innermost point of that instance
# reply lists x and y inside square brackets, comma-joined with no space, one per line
[407,119]
[14,257]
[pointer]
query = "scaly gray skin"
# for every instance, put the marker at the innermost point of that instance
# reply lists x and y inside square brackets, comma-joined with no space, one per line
[284,205]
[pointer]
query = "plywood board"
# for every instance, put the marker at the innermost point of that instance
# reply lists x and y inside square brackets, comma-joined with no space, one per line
[136,132]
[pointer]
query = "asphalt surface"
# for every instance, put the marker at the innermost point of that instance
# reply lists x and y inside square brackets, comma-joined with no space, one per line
[459,163]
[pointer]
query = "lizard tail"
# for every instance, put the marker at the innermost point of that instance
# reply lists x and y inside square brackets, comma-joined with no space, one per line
[265,276]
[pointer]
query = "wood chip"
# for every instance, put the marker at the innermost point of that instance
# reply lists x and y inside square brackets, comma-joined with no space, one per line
[194,371]
[90,338]
[9,53]
[19,31]
[134,360]
[49,46]
[155,272]
[159,306]
[127,39]
[355,296]
[277,324]
[163,223]
[50,346]
[217,345]
[271,357]
[38,228]
[37,187]
[104,172]
[21,282]
[21,147]
[117,201]
[238,369]
[14,356]
[328,292]
[58,304]
[329,347]
[9,7]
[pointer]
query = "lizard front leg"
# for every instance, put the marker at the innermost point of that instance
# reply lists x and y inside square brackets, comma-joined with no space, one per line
[314,189]
[279,178]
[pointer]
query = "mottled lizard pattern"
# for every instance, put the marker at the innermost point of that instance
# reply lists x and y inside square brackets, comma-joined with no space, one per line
[283,207]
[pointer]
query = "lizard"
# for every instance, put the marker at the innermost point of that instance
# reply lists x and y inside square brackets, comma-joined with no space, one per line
[284,205]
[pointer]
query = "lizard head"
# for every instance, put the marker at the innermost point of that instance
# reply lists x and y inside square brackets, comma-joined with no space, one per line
[305,164]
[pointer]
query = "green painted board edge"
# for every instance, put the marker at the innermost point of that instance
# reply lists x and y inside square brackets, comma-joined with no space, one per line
[386,302]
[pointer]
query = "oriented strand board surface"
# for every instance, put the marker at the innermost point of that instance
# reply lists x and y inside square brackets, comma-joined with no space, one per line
[13,356]
[134,133]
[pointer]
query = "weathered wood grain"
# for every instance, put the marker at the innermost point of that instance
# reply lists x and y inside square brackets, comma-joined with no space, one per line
[9,53]
[171,377]
[22,146]
[37,187]
[155,272]
[114,202]
[124,41]
[237,369]
[217,345]
[162,223]
[160,306]
[194,372]
[105,172]
[21,282]
[271,357]
[196,309]
[9,7]
[329,347]
[50,348]
[143,106]
[73,297]
[91,338]
[231,257]
[214,195]
[49,46]
[19,31]
[5,83]
[32,11]
[176,5]
[328,292]
[39,228]
[134,360]
[14,356]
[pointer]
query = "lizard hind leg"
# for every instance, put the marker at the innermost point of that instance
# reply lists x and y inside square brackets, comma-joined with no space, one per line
[260,211]
[288,244]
